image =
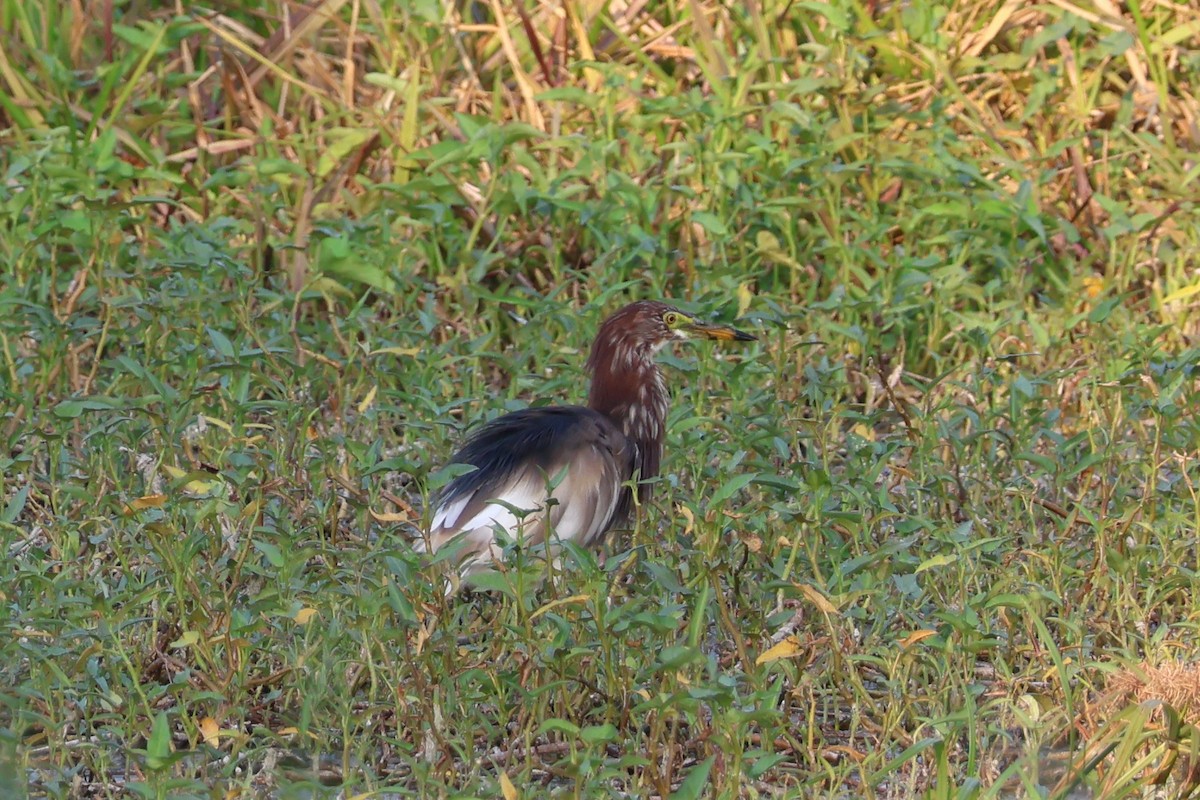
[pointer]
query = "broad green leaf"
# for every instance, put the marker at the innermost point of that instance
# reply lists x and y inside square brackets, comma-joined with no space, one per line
[710,222]
[158,746]
[273,554]
[221,343]
[599,734]
[678,656]
[15,505]
[692,787]
[730,488]
[558,726]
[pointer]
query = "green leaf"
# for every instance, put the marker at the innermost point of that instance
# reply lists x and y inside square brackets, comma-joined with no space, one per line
[762,762]
[273,554]
[559,725]
[15,505]
[730,488]
[487,580]
[69,409]
[187,639]
[337,259]
[692,787]
[937,561]
[1101,312]
[268,167]
[446,474]
[158,746]
[1006,601]
[1045,462]
[339,144]
[710,222]
[598,734]
[1115,43]
[221,343]
[143,38]
[571,94]
[838,18]
[678,656]
[75,220]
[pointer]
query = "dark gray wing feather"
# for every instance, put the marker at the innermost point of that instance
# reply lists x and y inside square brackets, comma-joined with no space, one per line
[517,458]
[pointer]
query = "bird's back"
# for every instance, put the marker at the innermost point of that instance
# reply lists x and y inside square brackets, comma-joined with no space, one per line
[541,473]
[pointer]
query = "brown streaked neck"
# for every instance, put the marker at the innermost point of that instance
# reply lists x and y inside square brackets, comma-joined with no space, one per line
[628,388]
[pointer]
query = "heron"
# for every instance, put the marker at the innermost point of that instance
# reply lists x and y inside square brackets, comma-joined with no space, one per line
[568,473]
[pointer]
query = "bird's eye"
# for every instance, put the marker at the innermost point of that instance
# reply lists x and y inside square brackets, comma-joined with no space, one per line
[671,319]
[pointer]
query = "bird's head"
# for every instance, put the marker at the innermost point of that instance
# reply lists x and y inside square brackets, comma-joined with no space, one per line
[639,330]
[626,383]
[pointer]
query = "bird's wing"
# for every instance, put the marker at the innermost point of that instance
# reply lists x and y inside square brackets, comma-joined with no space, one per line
[562,465]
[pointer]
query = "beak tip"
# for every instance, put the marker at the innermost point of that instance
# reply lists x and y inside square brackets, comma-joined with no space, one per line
[723,332]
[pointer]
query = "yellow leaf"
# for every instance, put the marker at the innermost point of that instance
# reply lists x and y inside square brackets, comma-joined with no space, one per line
[338,142]
[329,287]
[942,560]
[304,615]
[745,298]
[857,755]
[769,245]
[767,242]
[397,351]
[187,639]
[293,731]
[525,84]
[220,423]
[399,516]
[1182,294]
[410,122]
[149,501]
[209,730]
[864,431]
[368,400]
[146,501]
[506,786]
[592,77]
[1030,705]
[788,648]
[562,601]
[200,487]
[687,514]
[916,636]
[817,599]
[194,486]
[1053,670]
[423,636]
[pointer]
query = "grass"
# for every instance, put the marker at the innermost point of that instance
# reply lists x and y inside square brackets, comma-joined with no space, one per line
[265,265]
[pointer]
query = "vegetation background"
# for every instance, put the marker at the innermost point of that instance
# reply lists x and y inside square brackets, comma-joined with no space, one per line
[264,263]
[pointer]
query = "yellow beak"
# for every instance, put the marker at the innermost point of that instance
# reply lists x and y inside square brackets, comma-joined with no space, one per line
[722,332]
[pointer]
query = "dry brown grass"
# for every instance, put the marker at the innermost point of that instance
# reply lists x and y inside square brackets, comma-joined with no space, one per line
[1174,684]
[343,80]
